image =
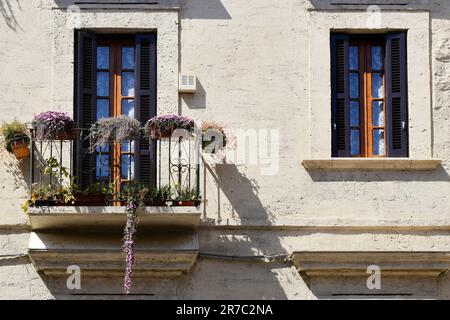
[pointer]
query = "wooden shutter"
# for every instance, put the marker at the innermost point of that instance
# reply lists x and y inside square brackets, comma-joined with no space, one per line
[340,96]
[85,103]
[396,95]
[146,104]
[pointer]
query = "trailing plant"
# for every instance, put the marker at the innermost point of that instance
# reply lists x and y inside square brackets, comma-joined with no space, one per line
[163,126]
[15,132]
[134,196]
[114,129]
[52,124]
[210,132]
[56,186]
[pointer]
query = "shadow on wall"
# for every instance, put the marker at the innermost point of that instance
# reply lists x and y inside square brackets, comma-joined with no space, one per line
[197,100]
[7,11]
[256,279]
[201,9]
[440,174]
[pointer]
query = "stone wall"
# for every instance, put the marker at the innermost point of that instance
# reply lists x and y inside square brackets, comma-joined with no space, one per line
[259,65]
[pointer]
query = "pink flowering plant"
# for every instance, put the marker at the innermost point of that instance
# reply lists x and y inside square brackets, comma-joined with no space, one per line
[163,126]
[52,124]
[134,196]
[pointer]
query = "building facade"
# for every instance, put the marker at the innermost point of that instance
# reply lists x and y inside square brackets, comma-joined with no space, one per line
[336,184]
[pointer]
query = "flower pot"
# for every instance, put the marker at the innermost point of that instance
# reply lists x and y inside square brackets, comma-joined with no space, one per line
[184,203]
[90,199]
[20,150]
[156,135]
[70,135]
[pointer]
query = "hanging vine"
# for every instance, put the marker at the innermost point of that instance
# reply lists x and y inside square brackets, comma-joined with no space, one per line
[134,197]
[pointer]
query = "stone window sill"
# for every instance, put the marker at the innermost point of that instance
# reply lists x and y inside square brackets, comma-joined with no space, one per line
[327,263]
[383,164]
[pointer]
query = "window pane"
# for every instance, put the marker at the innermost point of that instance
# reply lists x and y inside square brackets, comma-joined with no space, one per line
[128,107]
[102,108]
[378,142]
[127,167]
[102,57]
[377,85]
[128,84]
[102,167]
[377,58]
[354,113]
[127,147]
[354,143]
[354,85]
[353,58]
[103,149]
[377,113]
[103,84]
[127,58]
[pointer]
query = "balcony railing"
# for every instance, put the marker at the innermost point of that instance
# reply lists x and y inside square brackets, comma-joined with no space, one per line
[64,167]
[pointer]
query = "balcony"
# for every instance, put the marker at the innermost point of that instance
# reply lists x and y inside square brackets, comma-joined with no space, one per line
[77,210]
[61,168]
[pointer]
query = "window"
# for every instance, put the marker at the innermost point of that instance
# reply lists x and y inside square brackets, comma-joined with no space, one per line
[369,95]
[115,75]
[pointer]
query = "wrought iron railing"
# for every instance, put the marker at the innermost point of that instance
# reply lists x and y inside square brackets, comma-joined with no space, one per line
[61,164]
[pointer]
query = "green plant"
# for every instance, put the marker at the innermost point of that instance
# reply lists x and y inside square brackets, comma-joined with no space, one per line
[15,132]
[102,187]
[186,194]
[56,185]
[213,133]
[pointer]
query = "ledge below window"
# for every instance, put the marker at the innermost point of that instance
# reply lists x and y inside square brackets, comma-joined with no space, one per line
[101,218]
[394,164]
[348,263]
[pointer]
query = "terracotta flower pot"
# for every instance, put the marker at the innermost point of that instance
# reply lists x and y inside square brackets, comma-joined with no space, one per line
[20,150]
[156,135]
[90,199]
[184,203]
[71,135]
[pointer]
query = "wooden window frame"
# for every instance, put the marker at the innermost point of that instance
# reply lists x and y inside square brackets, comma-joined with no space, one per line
[366,127]
[115,98]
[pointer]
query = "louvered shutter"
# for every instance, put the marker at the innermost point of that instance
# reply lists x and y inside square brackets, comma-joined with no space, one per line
[396,95]
[340,96]
[85,106]
[146,104]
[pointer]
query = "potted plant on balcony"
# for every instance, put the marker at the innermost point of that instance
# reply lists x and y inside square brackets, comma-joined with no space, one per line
[54,125]
[97,194]
[214,137]
[160,127]
[114,130]
[16,138]
[55,189]
[186,197]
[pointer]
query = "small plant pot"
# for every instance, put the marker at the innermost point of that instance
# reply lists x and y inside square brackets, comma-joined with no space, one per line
[155,203]
[20,150]
[184,203]
[50,203]
[70,135]
[156,135]
[90,199]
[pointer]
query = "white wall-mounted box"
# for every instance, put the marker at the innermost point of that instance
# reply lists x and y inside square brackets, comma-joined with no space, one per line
[187,83]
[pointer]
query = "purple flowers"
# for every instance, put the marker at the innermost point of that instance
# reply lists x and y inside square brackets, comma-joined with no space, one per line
[52,124]
[163,126]
[128,245]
